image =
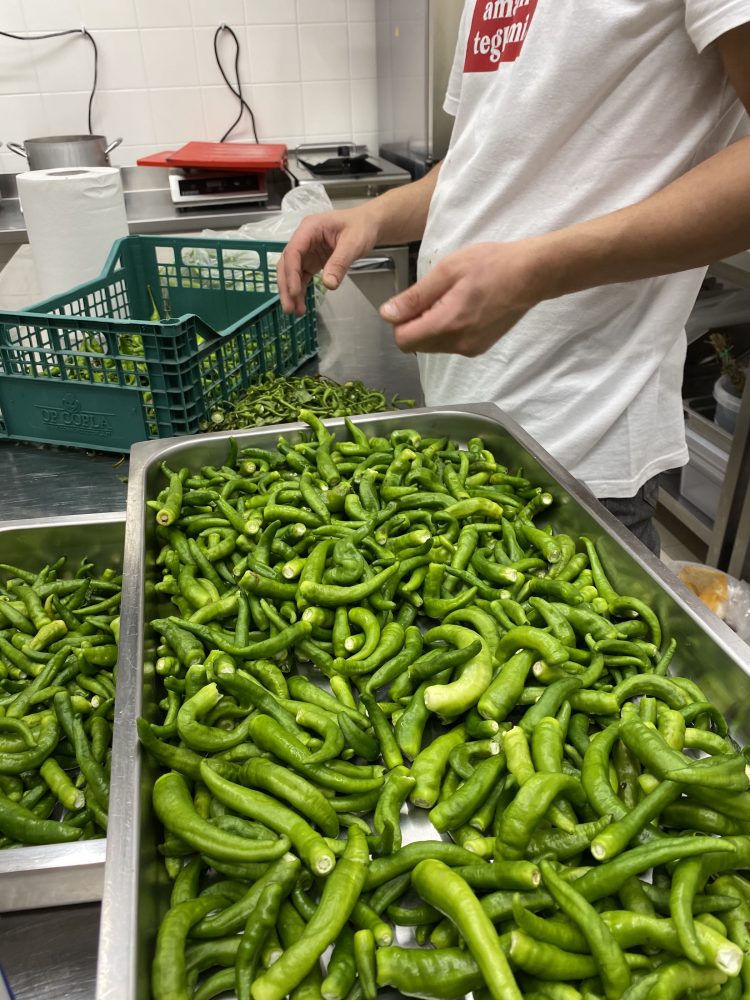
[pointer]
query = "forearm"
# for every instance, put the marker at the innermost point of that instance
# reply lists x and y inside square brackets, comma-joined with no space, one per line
[400,215]
[698,219]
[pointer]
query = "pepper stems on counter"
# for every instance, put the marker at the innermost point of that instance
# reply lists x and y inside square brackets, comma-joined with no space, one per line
[277,399]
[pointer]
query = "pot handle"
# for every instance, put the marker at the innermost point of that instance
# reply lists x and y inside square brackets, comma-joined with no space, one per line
[17,148]
[112,145]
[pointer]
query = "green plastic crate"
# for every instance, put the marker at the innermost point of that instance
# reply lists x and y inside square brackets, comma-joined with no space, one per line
[91,368]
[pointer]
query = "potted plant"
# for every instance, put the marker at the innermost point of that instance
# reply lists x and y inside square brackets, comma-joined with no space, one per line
[730,385]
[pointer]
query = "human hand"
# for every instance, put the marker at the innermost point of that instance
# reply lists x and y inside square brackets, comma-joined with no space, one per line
[468,301]
[329,241]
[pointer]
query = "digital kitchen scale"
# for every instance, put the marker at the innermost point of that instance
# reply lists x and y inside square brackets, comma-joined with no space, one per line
[204,187]
[219,173]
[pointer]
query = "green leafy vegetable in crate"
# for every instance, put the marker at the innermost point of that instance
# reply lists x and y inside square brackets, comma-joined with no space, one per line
[58,656]
[278,400]
[91,363]
[471,661]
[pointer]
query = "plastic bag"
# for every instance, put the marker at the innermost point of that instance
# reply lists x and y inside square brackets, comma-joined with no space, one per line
[297,204]
[726,596]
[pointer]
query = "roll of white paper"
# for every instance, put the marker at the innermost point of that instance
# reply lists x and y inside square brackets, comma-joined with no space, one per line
[73,216]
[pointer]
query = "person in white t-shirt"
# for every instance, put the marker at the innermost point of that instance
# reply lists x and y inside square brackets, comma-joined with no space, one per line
[597,166]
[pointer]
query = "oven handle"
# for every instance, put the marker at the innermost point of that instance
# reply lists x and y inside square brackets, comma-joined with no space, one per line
[317,146]
[366,265]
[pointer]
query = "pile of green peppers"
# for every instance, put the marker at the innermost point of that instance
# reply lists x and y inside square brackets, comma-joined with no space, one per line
[58,657]
[358,628]
[277,399]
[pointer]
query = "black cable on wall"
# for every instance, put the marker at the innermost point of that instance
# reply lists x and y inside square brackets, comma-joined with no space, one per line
[59,34]
[235,88]
[244,106]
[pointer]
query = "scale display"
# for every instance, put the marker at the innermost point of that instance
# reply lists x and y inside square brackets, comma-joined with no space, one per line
[196,188]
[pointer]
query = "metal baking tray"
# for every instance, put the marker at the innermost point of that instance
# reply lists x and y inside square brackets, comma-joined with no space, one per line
[135,890]
[57,874]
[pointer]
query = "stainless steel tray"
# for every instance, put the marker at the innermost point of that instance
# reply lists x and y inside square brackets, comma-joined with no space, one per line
[57,874]
[134,889]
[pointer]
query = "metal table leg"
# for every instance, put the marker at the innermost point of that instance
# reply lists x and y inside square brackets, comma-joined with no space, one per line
[731,533]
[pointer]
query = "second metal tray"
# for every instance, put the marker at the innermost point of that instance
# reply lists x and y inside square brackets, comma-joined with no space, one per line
[57,874]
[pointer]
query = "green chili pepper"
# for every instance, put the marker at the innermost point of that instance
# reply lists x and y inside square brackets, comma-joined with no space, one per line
[168,971]
[502,694]
[285,872]
[384,869]
[475,674]
[331,596]
[325,725]
[25,827]
[429,766]
[174,807]
[610,961]
[457,809]
[288,824]
[340,892]
[534,798]
[436,974]
[439,885]
[342,968]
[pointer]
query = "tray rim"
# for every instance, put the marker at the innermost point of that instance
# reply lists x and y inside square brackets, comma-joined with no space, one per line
[63,520]
[117,975]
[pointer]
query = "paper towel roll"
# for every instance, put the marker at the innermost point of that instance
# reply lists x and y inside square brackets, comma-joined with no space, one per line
[73,215]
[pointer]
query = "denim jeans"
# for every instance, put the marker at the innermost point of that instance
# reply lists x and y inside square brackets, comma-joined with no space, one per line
[637,513]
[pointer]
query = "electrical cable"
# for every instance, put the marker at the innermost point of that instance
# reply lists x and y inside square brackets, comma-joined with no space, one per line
[59,34]
[244,106]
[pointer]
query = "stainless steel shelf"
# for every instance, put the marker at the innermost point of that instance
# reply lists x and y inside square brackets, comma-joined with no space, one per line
[694,520]
[728,535]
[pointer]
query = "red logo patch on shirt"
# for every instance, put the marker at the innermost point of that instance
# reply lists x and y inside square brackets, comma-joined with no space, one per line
[498,31]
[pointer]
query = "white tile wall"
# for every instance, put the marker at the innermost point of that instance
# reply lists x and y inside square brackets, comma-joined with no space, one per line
[274,47]
[307,69]
[13,16]
[111,14]
[324,51]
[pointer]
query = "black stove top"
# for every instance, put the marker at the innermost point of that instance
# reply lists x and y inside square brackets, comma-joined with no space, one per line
[342,163]
[342,166]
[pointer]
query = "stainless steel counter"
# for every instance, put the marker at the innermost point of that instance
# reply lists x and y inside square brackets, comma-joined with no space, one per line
[51,954]
[150,208]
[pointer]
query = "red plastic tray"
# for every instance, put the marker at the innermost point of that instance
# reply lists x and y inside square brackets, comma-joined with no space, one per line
[229,156]
[220,156]
[156,159]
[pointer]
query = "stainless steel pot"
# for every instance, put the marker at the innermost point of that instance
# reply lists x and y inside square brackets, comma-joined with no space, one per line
[51,151]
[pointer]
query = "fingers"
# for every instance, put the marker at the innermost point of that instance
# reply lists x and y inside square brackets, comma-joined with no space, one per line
[432,332]
[289,278]
[417,299]
[424,316]
[320,243]
[434,319]
[347,250]
[303,256]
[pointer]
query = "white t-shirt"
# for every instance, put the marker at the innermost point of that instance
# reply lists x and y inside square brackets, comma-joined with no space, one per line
[565,110]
